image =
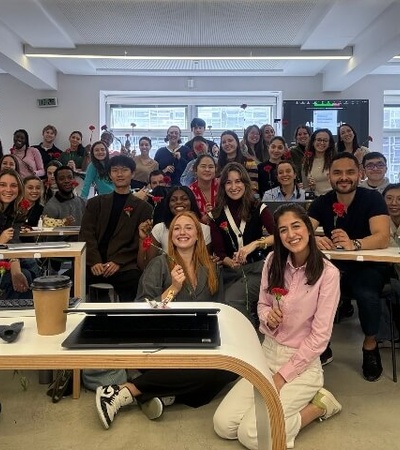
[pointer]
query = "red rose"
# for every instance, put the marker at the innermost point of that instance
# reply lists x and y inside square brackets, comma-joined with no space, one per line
[92,127]
[157,199]
[24,204]
[287,155]
[224,226]
[128,210]
[267,168]
[56,155]
[74,183]
[4,266]
[147,243]
[279,291]
[308,154]
[339,209]
[167,180]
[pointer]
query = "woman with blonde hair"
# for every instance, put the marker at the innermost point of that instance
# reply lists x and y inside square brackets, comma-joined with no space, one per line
[186,271]
[185,274]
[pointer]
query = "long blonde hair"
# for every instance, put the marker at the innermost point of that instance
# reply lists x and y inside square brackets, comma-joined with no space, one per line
[200,253]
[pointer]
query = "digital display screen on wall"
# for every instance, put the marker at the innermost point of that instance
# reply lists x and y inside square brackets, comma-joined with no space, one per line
[325,114]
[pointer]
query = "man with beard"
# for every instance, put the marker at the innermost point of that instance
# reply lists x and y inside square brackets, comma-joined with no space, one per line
[355,218]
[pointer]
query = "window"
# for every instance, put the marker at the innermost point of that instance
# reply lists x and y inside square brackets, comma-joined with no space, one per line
[391,140]
[153,113]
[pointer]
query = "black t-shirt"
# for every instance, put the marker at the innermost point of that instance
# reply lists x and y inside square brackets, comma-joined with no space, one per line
[355,222]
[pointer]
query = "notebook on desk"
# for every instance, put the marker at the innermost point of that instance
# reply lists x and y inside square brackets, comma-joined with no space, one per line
[37,245]
[146,328]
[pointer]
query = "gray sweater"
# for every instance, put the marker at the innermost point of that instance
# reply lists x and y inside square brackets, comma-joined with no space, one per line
[157,277]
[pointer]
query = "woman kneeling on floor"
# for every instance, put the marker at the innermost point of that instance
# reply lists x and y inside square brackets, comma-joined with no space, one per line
[298,299]
[186,274]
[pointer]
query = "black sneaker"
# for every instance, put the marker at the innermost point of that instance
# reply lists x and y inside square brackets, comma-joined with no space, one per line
[109,399]
[327,356]
[372,365]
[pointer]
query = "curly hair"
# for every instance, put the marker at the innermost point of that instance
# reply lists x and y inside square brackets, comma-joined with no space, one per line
[328,154]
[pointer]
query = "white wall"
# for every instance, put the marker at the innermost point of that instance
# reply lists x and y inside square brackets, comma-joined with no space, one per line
[78,98]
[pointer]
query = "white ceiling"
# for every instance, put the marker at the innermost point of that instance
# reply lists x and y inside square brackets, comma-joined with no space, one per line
[369,26]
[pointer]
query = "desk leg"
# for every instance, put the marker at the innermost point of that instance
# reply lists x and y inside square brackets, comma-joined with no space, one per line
[262,422]
[80,275]
[76,383]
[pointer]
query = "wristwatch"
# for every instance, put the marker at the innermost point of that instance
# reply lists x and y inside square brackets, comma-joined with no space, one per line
[357,245]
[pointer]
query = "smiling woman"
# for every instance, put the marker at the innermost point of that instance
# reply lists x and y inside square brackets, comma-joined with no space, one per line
[16,282]
[178,200]
[33,189]
[29,158]
[296,324]
[237,227]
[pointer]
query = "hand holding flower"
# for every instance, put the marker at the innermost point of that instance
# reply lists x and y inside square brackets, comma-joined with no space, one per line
[145,229]
[274,318]
[178,278]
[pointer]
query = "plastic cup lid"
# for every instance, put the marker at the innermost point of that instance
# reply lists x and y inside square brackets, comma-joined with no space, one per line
[51,282]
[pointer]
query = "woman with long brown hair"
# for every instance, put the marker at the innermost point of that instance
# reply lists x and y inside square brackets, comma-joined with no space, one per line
[317,159]
[238,224]
[298,298]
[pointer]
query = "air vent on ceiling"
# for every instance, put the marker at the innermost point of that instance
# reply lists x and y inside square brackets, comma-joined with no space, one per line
[49,102]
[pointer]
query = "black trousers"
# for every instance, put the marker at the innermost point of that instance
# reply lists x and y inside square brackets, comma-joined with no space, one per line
[192,387]
[124,282]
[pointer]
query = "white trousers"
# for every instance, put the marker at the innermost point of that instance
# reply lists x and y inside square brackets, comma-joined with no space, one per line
[235,417]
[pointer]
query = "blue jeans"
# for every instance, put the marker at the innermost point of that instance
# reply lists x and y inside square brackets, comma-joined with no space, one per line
[364,282]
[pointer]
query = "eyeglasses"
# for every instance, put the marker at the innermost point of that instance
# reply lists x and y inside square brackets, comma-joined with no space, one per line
[371,166]
[322,141]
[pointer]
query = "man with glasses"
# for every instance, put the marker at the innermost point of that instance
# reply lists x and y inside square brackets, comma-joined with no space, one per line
[375,166]
[110,228]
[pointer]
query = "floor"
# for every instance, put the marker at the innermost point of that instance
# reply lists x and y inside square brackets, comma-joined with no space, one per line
[369,420]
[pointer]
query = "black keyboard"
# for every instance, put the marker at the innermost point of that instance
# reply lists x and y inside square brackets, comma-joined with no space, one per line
[27,303]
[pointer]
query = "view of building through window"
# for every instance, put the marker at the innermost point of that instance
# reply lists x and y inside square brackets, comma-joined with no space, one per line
[154,120]
[391,140]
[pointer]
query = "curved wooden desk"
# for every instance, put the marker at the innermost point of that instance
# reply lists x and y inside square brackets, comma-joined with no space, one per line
[240,352]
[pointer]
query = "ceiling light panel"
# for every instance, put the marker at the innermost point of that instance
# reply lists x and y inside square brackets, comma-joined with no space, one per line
[189,22]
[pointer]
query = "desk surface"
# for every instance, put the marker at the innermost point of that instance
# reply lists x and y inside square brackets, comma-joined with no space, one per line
[50,232]
[240,352]
[389,255]
[75,249]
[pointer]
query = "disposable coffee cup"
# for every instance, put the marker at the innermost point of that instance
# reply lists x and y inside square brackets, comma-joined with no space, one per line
[50,299]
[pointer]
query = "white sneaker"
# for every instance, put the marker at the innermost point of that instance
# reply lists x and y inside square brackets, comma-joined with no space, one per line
[326,401]
[168,401]
[109,399]
[153,408]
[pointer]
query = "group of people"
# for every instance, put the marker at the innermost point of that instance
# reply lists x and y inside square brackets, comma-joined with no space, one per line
[213,239]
